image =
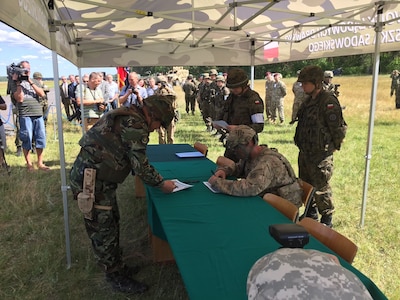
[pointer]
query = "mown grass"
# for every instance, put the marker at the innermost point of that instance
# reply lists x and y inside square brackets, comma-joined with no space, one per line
[32,241]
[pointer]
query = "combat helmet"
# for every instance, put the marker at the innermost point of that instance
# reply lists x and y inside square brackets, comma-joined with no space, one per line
[237,78]
[328,74]
[161,108]
[313,74]
[220,78]
[37,75]
[241,135]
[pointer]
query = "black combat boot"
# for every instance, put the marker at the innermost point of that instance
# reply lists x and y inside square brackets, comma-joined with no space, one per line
[327,220]
[311,213]
[123,283]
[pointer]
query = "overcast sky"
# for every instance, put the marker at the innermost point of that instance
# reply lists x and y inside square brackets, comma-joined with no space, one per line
[15,47]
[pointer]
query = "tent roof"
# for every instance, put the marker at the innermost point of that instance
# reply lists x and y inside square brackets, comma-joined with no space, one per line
[100,33]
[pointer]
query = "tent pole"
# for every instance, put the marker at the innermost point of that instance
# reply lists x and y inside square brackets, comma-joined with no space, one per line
[378,30]
[252,55]
[64,186]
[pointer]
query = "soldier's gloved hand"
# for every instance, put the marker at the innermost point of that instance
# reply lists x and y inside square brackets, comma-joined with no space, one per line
[168,186]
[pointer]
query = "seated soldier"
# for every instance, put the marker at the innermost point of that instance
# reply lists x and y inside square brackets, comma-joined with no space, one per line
[261,169]
[294,273]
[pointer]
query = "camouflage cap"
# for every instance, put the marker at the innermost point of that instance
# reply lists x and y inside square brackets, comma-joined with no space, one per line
[37,75]
[206,76]
[241,135]
[328,74]
[294,271]
[213,72]
[237,78]
[161,78]
[220,78]
[161,108]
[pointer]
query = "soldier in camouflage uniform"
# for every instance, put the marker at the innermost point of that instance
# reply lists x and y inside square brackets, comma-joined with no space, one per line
[299,97]
[190,89]
[303,274]
[278,93]
[243,105]
[38,80]
[328,85]
[269,83]
[206,93]
[115,146]
[261,169]
[320,131]
[221,94]
[166,134]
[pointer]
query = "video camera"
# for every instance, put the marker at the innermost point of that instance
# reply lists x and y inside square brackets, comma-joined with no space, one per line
[15,69]
[335,90]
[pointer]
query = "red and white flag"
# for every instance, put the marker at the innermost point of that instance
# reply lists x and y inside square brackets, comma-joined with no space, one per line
[271,50]
[122,76]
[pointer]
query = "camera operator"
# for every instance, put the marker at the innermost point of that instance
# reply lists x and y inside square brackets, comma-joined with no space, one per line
[26,94]
[133,94]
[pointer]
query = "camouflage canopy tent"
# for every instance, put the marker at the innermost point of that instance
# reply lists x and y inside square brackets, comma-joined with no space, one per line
[106,33]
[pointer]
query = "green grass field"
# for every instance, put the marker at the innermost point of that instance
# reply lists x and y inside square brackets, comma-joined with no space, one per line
[32,241]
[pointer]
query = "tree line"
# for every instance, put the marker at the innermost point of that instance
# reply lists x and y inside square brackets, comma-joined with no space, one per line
[351,65]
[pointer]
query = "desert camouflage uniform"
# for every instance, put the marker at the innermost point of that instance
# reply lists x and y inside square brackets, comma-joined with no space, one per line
[299,96]
[166,135]
[269,172]
[278,93]
[269,84]
[330,87]
[293,273]
[114,146]
[320,131]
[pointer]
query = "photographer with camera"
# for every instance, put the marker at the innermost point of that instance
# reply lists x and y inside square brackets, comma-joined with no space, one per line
[27,97]
[133,94]
[93,100]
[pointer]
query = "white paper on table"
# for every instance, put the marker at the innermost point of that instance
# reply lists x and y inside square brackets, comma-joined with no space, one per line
[220,123]
[189,154]
[180,185]
[207,184]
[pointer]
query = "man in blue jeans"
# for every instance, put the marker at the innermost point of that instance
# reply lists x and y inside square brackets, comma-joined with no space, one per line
[27,94]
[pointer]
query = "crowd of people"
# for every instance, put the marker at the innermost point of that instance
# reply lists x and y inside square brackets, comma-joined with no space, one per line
[117,123]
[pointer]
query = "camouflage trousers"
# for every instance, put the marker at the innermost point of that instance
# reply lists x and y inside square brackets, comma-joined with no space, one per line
[276,107]
[317,169]
[103,230]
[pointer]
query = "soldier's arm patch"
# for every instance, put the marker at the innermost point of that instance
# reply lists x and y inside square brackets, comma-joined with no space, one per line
[332,117]
[330,106]
[257,102]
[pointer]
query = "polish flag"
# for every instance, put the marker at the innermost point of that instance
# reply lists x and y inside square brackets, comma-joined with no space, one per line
[122,75]
[271,50]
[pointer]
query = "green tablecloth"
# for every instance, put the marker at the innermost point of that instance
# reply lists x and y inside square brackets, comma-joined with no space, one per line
[215,238]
